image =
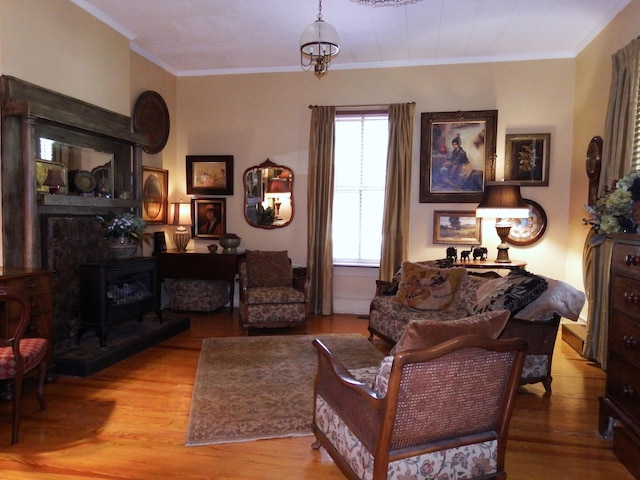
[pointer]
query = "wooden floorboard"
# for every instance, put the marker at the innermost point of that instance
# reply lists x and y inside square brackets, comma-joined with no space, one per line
[129,422]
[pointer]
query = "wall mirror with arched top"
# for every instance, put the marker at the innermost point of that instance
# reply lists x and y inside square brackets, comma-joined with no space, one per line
[268,195]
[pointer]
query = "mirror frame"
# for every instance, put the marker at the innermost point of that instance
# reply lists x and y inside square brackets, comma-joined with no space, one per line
[267,164]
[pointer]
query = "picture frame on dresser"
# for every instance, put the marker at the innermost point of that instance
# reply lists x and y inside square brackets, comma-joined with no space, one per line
[210,174]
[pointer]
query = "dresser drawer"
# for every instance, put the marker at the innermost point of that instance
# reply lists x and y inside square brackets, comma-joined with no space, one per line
[624,337]
[623,386]
[625,259]
[625,295]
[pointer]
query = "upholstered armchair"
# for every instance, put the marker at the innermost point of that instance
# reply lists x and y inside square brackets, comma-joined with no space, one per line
[440,412]
[270,295]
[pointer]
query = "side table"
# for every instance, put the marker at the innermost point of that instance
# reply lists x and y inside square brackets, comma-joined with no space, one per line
[203,266]
[491,265]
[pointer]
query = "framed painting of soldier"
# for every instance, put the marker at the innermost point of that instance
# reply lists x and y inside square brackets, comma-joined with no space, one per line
[457,155]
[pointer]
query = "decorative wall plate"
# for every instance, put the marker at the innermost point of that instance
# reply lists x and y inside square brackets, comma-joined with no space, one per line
[151,117]
[528,230]
[84,181]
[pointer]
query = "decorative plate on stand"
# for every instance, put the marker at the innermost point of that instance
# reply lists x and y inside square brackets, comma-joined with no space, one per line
[151,117]
[528,230]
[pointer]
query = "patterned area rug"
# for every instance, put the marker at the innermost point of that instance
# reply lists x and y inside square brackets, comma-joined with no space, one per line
[250,388]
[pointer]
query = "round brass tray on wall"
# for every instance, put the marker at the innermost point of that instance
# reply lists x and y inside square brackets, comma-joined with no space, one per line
[151,118]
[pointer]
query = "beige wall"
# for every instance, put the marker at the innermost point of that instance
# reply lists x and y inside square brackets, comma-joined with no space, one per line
[59,46]
[591,90]
[255,117]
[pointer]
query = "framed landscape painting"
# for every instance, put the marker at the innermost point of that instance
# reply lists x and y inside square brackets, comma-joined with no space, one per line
[457,155]
[456,227]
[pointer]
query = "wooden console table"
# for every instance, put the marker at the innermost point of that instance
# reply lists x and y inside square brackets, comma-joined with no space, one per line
[491,265]
[202,266]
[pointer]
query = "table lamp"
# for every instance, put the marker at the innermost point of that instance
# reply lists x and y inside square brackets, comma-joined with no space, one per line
[502,201]
[54,181]
[182,218]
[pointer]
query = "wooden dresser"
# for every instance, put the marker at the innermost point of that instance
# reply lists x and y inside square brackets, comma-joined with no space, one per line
[620,407]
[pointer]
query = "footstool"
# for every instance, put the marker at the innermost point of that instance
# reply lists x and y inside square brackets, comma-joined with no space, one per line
[198,295]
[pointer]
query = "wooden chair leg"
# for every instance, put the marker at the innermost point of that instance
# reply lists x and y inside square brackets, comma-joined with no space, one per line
[17,401]
[42,375]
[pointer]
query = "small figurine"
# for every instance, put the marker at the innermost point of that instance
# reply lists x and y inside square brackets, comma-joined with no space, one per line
[452,253]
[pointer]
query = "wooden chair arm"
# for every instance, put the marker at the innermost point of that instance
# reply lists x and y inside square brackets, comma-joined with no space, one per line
[332,370]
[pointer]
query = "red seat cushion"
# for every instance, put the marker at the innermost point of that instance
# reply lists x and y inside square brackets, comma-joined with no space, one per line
[33,351]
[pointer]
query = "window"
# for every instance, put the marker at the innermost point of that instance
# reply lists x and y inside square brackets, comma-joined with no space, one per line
[359,181]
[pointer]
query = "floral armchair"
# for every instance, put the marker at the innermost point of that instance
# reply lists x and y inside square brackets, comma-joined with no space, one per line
[270,295]
[440,412]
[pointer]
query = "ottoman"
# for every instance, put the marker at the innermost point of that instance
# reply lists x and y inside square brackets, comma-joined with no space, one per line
[198,295]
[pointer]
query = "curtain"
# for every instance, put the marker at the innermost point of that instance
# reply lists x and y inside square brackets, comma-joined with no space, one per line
[395,222]
[617,161]
[319,209]
[617,150]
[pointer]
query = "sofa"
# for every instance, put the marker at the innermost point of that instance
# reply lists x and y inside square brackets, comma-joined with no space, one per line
[436,291]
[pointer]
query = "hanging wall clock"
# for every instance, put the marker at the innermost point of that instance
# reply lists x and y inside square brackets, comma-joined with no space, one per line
[593,164]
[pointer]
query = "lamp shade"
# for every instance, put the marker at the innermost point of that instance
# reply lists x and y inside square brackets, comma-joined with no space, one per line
[319,38]
[502,200]
[54,178]
[181,214]
[277,185]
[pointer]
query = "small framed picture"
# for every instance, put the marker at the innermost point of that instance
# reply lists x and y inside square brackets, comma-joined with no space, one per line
[527,159]
[209,217]
[155,185]
[457,227]
[210,174]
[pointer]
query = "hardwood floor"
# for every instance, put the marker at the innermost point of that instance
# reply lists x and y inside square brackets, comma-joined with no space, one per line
[129,422]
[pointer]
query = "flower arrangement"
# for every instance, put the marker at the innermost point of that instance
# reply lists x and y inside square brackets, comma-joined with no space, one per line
[614,210]
[122,225]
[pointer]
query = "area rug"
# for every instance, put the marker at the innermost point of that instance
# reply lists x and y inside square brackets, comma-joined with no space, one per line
[250,388]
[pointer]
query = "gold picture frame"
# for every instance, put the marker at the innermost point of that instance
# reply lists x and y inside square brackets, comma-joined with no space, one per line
[457,227]
[155,187]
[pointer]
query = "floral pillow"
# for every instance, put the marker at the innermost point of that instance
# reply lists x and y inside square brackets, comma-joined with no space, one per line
[381,382]
[513,292]
[428,333]
[428,288]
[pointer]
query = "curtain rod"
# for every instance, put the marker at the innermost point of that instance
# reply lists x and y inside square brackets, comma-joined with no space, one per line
[361,106]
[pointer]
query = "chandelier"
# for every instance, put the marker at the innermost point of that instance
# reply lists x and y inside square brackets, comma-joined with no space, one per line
[384,3]
[318,44]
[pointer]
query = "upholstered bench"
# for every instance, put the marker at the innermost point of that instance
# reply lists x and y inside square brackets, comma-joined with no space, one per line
[198,295]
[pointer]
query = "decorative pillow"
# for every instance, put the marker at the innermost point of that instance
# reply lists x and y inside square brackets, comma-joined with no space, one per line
[560,298]
[513,292]
[427,333]
[268,269]
[428,288]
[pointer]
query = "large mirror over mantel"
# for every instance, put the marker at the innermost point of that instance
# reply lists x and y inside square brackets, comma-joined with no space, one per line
[268,195]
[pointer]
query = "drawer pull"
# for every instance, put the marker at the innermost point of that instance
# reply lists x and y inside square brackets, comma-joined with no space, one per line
[631,260]
[630,297]
[628,391]
[630,341]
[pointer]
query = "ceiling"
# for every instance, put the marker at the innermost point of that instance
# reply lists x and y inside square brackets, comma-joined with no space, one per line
[208,37]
